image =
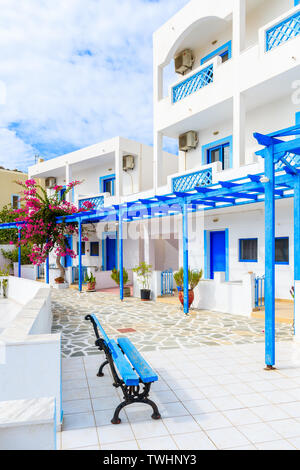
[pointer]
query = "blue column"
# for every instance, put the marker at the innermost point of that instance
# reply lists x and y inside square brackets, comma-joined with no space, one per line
[79,256]
[185,240]
[270,258]
[121,261]
[47,271]
[19,254]
[296,232]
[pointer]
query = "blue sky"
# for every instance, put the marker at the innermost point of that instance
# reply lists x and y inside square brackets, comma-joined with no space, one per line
[74,73]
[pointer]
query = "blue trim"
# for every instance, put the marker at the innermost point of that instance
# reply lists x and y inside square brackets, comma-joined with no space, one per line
[297,115]
[206,254]
[227,254]
[218,143]
[240,251]
[104,236]
[283,262]
[47,271]
[93,244]
[222,50]
[105,178]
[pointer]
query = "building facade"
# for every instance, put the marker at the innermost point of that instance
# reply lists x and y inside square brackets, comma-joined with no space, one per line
[222,71]
[9,190]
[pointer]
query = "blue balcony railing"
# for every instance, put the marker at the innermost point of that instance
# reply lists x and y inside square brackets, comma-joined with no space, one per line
[283,32]
[98,202]
[192,180]
[193,84]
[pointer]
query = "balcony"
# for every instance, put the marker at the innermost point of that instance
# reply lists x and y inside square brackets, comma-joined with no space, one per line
[199,80]
[190,181]
[282,32]
[97,201]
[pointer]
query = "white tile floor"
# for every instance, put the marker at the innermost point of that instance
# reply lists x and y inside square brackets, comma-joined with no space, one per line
[209,398]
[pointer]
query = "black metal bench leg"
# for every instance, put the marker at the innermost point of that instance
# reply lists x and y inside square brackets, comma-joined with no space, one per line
[156,413]
[116,419]
[100,373]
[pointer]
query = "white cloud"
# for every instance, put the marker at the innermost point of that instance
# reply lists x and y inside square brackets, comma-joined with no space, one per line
[76,72]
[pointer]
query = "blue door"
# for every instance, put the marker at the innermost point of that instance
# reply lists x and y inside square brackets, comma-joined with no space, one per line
[67,261]
[217,253]
[111,245]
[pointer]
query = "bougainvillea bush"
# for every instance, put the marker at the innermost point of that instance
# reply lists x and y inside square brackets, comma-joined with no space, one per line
[38,213]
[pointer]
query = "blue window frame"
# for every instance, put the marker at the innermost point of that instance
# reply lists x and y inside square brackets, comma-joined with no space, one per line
[282,255]
[62,192]
[220,150]
[94,249]
[82,248]
[107,184]
[225,52]
[248,250]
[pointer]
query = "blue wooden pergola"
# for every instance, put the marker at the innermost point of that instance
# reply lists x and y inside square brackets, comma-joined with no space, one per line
[281,179]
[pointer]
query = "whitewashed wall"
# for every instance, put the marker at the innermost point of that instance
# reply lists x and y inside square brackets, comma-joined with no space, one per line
[32,367]
[3,261]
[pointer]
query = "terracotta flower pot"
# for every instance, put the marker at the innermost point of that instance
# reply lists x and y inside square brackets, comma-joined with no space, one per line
[91,285]
[59,280]
[191,297]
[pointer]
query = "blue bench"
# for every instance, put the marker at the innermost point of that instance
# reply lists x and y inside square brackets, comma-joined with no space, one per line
[129,369]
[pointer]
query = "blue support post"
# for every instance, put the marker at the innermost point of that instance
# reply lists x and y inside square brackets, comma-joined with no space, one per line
[19,254]
[79,255]
[47,271]
[185,258]
[296,234]
[121,260]
[270,258]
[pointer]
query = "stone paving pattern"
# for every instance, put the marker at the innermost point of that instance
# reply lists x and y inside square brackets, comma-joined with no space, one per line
[158,326]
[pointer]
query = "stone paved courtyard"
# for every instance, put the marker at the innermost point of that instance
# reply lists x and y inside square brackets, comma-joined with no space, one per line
[157,326]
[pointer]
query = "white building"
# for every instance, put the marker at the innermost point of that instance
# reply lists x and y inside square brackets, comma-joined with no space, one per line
[239,74]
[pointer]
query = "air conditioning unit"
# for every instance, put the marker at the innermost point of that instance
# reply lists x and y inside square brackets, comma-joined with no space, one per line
[188,141]
[184,61]
[128,162]
[50,182]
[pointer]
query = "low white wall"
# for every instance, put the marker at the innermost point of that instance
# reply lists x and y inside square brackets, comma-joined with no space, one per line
[28,271]
[104,280]
[32,367]
[218,295]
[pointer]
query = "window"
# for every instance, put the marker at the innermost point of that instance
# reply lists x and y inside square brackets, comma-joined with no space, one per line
[282,250]
[94,248]
[224,52]
[249,250]
[82,248]
[107,184]
[221,153]
[62,194]
[15,201]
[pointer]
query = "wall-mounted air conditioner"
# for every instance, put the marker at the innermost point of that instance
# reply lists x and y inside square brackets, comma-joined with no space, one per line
[50,182]
[188,141]
[184,61]
[128,162]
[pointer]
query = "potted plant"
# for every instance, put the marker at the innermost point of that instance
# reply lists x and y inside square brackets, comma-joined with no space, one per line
[4,273]
[115,275]
[90,280]
[144,273]
[194,278]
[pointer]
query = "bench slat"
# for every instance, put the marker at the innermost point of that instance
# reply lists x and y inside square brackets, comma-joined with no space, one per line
[123,366]
[141,366]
